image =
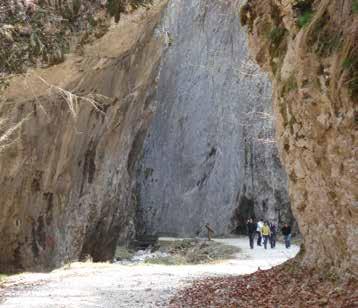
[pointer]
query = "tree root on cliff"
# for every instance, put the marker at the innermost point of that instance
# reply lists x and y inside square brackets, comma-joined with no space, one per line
[72,100]
[8,130]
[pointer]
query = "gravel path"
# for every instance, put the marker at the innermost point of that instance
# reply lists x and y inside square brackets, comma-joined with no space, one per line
[145,286]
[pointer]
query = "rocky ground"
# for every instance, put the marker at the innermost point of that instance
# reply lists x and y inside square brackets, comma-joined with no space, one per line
[141,285]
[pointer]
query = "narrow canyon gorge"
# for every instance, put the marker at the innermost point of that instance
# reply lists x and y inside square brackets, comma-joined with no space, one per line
[177,115]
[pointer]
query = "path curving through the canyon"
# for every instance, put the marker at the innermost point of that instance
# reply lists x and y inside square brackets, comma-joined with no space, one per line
[113,285]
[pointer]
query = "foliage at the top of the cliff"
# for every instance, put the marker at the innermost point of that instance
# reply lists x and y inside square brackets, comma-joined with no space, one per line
[41,32]
[326,34]
[355,6]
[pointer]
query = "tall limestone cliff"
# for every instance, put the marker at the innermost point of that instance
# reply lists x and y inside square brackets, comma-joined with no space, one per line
[74,131]
[164,117]
[310,49]
[209,155]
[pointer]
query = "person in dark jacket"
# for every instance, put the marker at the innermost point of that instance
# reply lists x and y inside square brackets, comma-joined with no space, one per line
[273,235]
[286,231]
[251,229]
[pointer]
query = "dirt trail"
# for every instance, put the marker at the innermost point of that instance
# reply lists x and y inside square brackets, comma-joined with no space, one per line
[112,285]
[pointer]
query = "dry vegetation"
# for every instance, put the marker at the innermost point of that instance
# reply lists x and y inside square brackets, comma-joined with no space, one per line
[287,285]
[181,252]
[193,252]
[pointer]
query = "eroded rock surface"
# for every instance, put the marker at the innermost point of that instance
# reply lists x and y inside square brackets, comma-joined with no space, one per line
[310,50]
[209,155]
[74,132]
[65,177]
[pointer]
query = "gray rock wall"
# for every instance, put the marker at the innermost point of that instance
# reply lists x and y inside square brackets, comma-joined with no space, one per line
[209,154]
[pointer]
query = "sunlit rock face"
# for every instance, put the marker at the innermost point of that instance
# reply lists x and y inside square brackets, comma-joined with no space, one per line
[65,176]
[209,154]
[315,97]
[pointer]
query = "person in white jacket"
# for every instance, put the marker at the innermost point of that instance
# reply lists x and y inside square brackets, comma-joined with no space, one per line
[260,224]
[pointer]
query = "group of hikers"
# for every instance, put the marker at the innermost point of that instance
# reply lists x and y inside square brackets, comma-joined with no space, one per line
[267,232]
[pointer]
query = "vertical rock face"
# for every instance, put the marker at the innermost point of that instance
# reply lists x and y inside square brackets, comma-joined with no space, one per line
[310,49]
[65,174]
[209,155]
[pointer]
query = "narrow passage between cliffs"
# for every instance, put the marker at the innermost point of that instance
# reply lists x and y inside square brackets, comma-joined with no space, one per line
[135,285]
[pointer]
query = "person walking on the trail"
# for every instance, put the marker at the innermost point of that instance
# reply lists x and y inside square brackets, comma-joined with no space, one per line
[286,231]
[273,235]
[265,233]
[258,231]
[210,231]
[251,229]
